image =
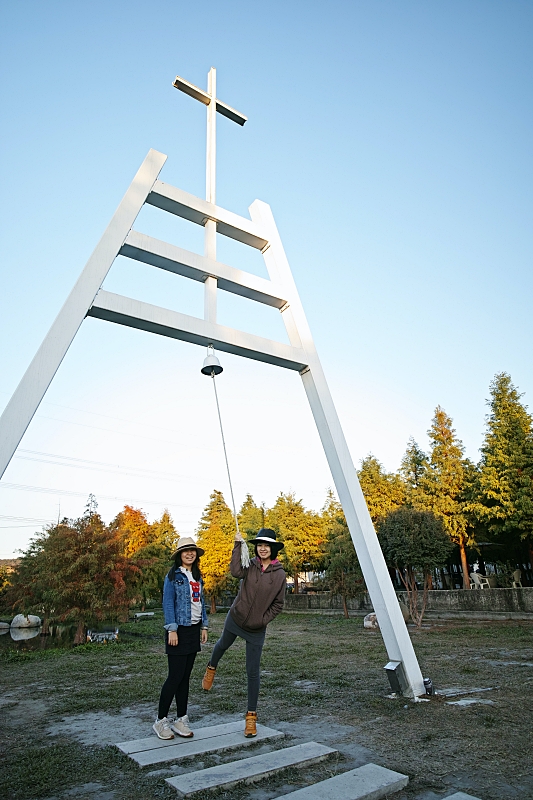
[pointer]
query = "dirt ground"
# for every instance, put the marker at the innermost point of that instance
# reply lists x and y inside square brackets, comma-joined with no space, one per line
[322,680]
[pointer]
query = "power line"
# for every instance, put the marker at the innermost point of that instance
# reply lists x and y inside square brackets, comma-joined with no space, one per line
[113,468]
[45,490]
[27,519]
[121,433]
[117,419]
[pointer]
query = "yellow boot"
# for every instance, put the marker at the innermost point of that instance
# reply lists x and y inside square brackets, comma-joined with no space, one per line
[209,677]
[250,729]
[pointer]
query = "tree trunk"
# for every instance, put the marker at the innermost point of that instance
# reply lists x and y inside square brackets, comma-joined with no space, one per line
[295,583]
[80,637]
[344,606]
[213,609]
[464,563]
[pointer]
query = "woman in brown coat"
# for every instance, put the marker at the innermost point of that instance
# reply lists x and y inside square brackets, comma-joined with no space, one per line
[260,599]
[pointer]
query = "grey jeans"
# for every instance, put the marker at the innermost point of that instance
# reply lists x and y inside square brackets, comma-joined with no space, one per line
[254,647]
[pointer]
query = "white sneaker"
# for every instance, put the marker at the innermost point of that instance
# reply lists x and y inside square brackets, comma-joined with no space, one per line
[162,728]
[181,727]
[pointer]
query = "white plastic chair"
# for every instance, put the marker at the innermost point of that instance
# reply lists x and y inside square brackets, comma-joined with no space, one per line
[517,579]
[479,581]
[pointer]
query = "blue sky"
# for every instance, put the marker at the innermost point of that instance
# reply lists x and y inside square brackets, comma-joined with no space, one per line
[393,143]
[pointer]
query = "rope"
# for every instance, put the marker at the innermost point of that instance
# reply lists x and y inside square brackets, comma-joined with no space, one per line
[245,555]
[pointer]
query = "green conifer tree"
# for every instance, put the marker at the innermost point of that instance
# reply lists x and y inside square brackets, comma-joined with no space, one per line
[343,573]
[443,485]
[504,488]
[413,470]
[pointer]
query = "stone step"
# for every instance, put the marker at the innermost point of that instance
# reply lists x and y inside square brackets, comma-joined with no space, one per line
[461,796]
[369,782]
[153,742]
[206,740]
[248,770]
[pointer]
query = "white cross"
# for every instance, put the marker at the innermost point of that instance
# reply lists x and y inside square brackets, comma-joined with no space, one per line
[209,99]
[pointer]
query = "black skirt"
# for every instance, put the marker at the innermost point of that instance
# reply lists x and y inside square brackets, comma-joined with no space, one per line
[188,641]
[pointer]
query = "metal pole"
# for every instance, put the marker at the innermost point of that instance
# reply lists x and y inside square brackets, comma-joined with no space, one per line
[393,628]
[37,378]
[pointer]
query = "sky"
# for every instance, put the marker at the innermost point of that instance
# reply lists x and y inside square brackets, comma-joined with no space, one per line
[393,142]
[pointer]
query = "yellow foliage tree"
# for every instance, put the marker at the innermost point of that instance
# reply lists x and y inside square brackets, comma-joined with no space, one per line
[216,533]
[134,528]
[302,533]
[384,492]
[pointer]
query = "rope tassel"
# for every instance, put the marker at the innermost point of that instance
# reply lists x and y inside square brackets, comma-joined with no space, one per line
[245,555]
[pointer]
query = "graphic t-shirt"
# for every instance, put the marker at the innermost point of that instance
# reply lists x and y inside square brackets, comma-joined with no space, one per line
[196,605]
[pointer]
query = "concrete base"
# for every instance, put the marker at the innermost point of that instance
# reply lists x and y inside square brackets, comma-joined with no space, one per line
[370,782]
[248,770]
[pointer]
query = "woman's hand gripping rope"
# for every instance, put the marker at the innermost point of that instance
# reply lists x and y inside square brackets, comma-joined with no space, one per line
[245,555]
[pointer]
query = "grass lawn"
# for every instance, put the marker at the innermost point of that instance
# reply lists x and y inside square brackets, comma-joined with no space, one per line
[319,668]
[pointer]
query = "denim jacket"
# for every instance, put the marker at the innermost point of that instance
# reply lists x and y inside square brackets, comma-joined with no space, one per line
[177,602]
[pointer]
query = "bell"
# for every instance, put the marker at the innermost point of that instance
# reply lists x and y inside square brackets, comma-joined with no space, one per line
[211,364]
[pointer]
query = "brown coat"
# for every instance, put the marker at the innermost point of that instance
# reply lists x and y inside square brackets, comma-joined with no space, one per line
[261,594]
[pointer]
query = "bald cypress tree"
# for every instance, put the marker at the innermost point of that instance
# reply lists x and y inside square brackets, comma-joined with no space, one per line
[251,517]
[383,491]
[443,485]
[343,573]
[413,471]
[216,533]
[302,533]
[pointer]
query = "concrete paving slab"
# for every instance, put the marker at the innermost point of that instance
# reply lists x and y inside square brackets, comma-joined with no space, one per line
[456,691]
[370,782]
[248,770]
[185,748]
[154,742]
[470,701]
[461,796]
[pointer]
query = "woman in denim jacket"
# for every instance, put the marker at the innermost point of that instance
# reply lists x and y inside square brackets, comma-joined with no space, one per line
[186,626]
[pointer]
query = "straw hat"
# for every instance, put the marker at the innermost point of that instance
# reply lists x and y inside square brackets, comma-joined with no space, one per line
[187,543]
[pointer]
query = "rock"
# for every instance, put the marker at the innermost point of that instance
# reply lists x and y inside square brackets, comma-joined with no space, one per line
[4,626]
[405,611]
[371,622]
[22,634]
[25,621]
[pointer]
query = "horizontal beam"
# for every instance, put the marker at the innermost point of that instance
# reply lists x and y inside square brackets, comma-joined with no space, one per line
[163,321]
[191,265]
[205,98]
[187,206]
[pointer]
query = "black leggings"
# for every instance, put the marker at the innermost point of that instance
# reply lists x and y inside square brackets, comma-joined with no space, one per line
[253,662]
[176,685]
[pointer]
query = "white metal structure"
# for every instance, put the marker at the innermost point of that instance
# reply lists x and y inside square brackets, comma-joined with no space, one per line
[260,232]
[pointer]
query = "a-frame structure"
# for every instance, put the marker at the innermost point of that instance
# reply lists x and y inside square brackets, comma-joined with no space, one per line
[87,298]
